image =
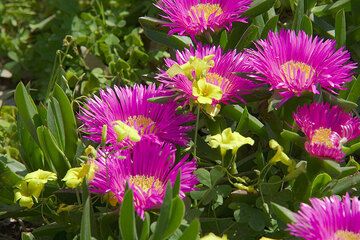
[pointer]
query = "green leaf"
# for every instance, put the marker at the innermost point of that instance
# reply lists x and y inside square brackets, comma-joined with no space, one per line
[69,122]
[306,25]
[340,29]
[85,228]
[27,236]
[26,109]
[344,184]
[345,104]
[127,224]
[223,39]
[257,221]
[165,212]
[235,112]
[243,121]
[258,7]
[215,175]
[309,4]
[353,94]
[176,188]
[162,99]
[319,184]
[353,148]
[355,9]
[192,232]
[56,159]
[203,176]
[334,168]
[282,213]
[251,34]
[55,122]
[176,216]
[145,231]
[271,25]
[298,16]
[9,178]
[332,8]
[293,137]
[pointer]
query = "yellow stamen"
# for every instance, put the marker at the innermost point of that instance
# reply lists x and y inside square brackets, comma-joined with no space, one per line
[322,136]
[214,78]
[290,68]
[142,122]
[206,9]
[346,235]
[145,183]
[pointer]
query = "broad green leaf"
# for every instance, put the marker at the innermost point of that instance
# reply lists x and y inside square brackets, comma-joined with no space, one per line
[26,109]
[334,168]
[258,7]
[151,22]
[235,112]
[127,223]
[309,4]
[9,178]
[176,188]
[340,29]
[191,232]
[345,104]
[293,137]
[176,216]
[243,121]
[162,99]
[85,228]
[165,212]
[69,122]
[271,25]
[282,213]
[319,183]
[298,16]
[204,176]
[355,10]
[177,42]
[49,229]
[306,25]
[257,220]
[353,95]
[353,148]
[145,231]
[251,34]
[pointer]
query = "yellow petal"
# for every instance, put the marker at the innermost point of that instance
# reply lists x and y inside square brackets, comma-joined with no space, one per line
[212,110]
[280,156]
[65,208]
[27,202]
[41,176]
[212,236]
[90,151]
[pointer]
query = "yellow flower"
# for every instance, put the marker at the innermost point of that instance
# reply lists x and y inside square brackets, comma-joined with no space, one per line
[212,236]
[122,131]
[206,92]
[249,189]
[90,151]
[40,177]
[280,156]
[26,192]
[212,110]
[265,238]
[197,65]
[110,198]
[65,208]
[75,176]
[228,140]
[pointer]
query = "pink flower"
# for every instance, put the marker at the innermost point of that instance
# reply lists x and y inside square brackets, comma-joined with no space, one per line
[194,17]
[330,218]
[327,129]
[147,168]
[295,63]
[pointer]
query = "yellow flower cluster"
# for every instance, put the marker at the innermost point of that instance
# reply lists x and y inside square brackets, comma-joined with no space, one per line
[75,176]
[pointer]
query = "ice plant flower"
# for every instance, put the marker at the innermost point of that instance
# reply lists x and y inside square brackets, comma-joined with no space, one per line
[327,128]
[75,176]
[27,192]
[330,218]
[293,63]
[212,236]
[40,177]
[212,80]
[228,140]
[127,115]
[194,17]
[147,167]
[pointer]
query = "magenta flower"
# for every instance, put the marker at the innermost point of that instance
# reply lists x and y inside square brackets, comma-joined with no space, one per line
[327,129]
[330,218]
[220,75]
[295,63]
[194,17]
[147,168]
[127,110]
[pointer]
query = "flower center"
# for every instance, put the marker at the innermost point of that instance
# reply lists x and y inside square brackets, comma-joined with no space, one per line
[291,68]
[322,136]
[145,183]
[346,235]
[206,9]
[142,122]
[214,78]
[206,92]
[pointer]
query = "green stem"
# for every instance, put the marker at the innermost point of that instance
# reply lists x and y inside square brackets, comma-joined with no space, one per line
[196,129]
